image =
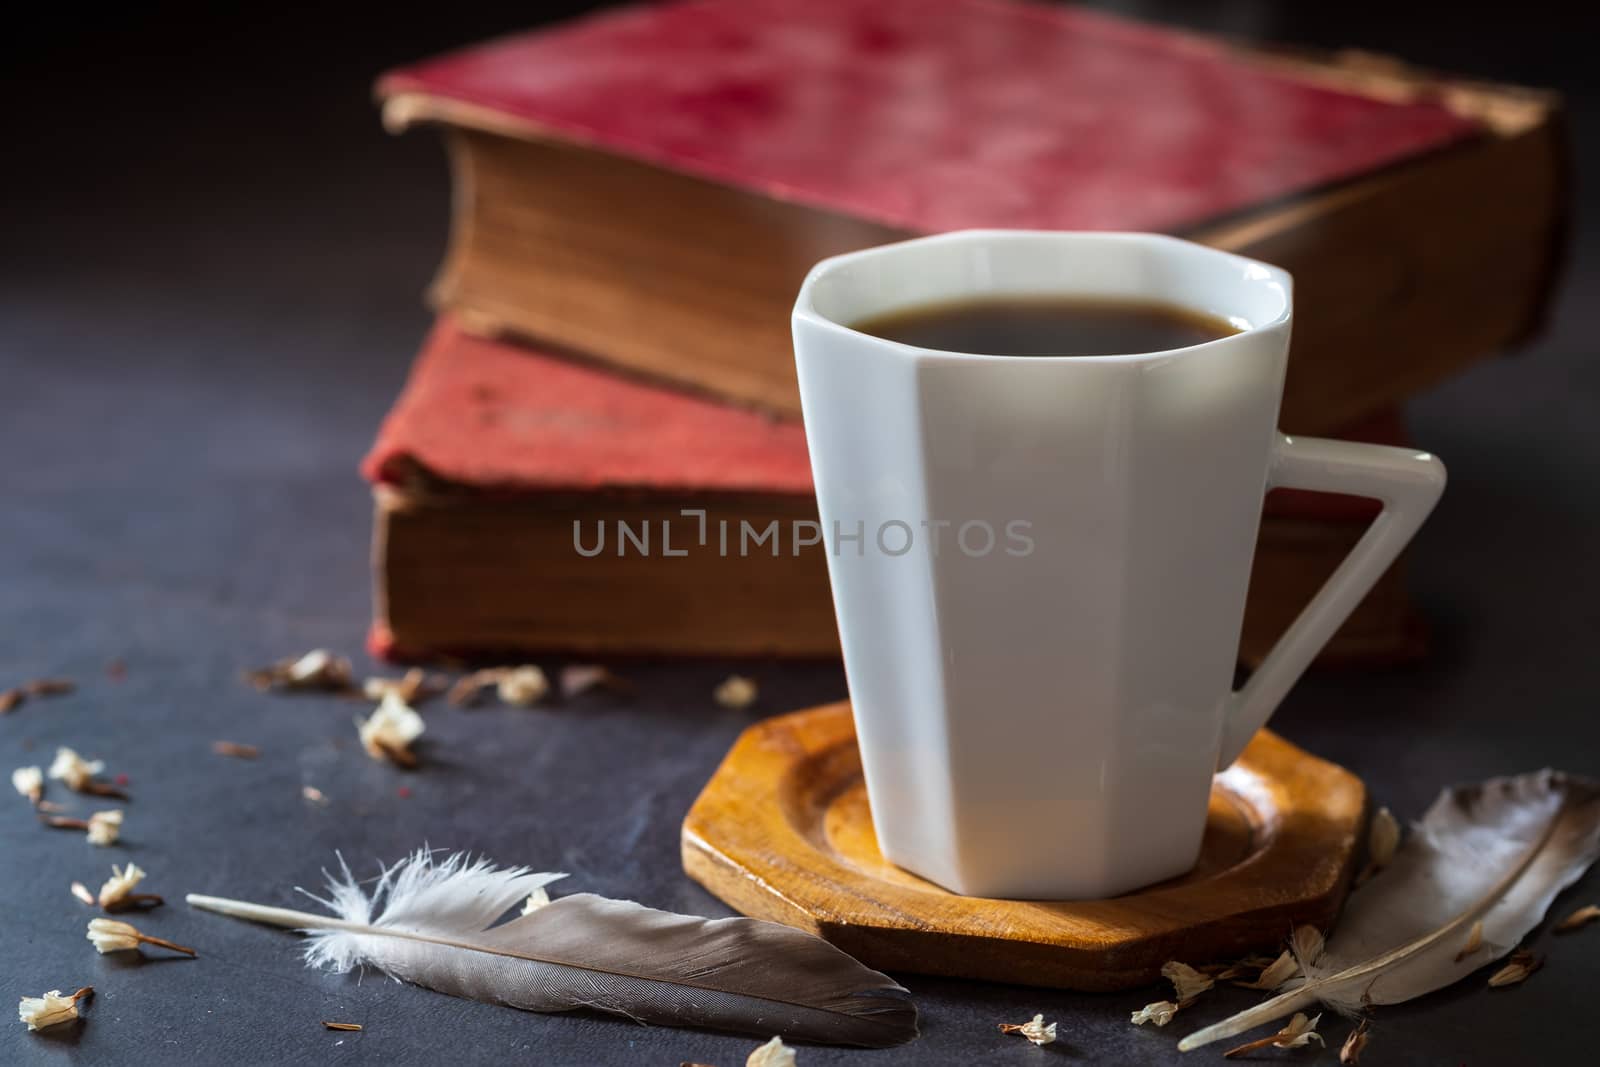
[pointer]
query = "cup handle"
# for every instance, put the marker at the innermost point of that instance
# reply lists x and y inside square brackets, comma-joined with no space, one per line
[1408,484]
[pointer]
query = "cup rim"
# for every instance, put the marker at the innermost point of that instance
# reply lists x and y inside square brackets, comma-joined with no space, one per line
[1265,273]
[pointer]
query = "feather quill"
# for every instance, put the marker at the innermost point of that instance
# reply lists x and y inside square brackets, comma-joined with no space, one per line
[1498,852]
[432,923]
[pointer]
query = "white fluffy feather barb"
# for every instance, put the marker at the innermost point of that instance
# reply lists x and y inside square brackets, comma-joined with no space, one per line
[434,923]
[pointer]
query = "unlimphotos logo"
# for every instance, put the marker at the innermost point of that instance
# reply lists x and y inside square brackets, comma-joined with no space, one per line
[974,538]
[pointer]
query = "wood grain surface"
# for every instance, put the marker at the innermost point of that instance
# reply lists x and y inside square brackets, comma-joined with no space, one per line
[783,832]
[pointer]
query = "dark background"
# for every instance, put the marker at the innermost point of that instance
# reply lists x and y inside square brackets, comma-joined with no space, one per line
[209,294]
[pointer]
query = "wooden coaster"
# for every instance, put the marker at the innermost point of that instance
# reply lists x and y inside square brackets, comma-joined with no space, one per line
[782,832]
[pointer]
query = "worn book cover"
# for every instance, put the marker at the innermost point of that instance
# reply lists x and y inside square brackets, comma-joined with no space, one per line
[649,184]
[526,502]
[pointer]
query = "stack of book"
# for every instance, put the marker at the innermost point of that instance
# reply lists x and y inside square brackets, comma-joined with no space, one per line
[602,429]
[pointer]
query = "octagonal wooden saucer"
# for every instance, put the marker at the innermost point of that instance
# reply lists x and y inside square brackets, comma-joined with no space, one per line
[782,831]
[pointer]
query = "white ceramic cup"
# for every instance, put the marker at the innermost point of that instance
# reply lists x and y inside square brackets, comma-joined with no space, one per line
[1040,708]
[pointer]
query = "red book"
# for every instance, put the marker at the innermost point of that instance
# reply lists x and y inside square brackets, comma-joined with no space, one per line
[648,185]
[938,116]
[495,451]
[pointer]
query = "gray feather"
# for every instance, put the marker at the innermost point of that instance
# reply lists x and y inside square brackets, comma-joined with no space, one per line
[1497,852]
[431,923]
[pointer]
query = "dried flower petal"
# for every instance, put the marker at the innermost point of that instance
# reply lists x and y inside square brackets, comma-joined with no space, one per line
[523,686]
[235,749]
[317,669]
[1187,982]
[118,888]
[110,935]
[71,768]
[1578,919]
[52,1009]
[81,891]
[390,730]
[1160,1013]
[1383,838]
[1306,943]
[104,827]
[1300,1031]
[773,1054]
[1354,1045]
[29,781]
[470,687]
[1297,1032]
[1516,970]
[580,679]
[1034,1030]
[1473,943]
[536,900]
[1278,972]
[736,692]
[413,687]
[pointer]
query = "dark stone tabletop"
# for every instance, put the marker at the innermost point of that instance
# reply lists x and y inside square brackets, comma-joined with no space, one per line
[212,268]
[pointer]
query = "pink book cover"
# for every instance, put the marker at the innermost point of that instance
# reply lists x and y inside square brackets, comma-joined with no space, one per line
[934,116]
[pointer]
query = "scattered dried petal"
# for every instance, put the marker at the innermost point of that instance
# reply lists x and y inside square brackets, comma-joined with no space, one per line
[120,884]
[390,730]
[81,891]
[1383,837]
[312,794]
[470,687]
[773,1054]
[1278,972]
[578,680]
[1516,970]
[1473,943]
[29,781]
[235,749]
[536,900]
[1187,982]
[104,827]
[1034,1030]
[736,692]
[117,893]
[413,687]
[1306,943]
[11,699]
[1160,1013]
[52,1009]
[72,769]
[49,687]
[1578,919]
[1354,1045]
[318,669]
[352,1027]
[523,686]
[1299,1031]
[111,935]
